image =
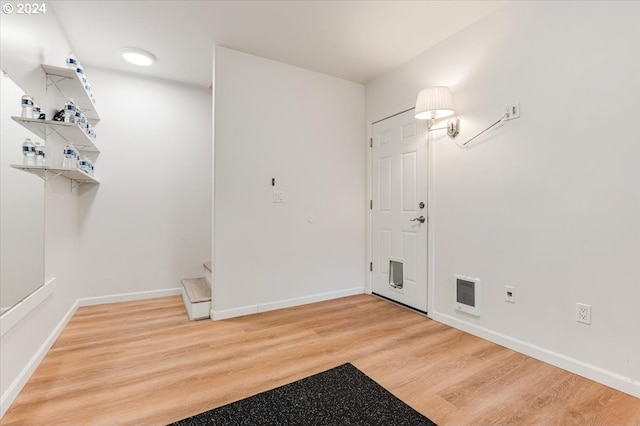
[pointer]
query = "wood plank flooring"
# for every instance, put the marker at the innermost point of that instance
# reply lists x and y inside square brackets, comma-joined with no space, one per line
[143,362]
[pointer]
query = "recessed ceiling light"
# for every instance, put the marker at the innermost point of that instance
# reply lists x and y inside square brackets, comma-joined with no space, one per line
[137,56]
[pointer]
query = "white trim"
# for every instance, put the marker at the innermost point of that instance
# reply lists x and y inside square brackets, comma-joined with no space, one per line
[369,210]
[20,310]
[432,220]
[281,304]
[127,297]
[319,297]
[233,312]
[214,258]
[600,375]
[18,383]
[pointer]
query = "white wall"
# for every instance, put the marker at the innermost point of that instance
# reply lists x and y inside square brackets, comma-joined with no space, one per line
[146,226]
[306,130]
[28,41]
[548,203]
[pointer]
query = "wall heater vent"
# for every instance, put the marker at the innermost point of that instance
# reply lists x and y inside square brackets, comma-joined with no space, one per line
[467,295]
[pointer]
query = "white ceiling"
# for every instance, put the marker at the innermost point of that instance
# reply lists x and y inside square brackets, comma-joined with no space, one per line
[353,40]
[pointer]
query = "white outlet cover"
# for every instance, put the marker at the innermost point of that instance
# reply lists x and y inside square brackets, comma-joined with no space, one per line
[513,109]
[583,313]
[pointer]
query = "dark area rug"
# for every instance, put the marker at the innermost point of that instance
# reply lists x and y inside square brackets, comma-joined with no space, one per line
[341,396]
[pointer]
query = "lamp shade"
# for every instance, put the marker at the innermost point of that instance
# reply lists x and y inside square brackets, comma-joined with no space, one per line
[434,102]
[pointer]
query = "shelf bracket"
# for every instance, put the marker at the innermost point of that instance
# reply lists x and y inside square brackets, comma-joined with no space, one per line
[78,183]
[47,174]
[52,130]
[55,82]
[72,186]
[42,175]
[46,177]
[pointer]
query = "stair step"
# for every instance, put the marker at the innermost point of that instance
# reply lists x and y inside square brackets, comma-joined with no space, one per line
[208,266]
[196,296]
[197,289]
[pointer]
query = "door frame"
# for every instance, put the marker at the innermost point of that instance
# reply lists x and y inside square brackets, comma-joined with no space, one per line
[430,217]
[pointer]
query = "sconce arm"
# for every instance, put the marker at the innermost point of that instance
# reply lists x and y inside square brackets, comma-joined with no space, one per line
[502,119]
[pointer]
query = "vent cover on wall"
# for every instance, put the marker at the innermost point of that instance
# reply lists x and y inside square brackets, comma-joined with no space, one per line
[467,295]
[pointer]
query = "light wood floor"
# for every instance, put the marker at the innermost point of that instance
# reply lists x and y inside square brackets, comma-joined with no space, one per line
[145,363]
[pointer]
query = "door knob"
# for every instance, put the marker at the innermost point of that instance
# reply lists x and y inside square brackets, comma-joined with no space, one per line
[420,219]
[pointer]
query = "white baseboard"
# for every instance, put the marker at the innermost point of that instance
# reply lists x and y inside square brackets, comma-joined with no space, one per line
[127,297]
[18,383]
[319,297]
[592,372]
[16,386]
[233,312]
[281,304]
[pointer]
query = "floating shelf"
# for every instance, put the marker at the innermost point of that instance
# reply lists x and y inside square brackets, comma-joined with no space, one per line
[71,87]
[44,172]
[67,131]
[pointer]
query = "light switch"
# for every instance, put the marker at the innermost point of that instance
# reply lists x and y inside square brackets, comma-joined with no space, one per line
[278,196]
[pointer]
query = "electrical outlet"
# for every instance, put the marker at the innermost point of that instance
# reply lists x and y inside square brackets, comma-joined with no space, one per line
[512,110]
[583,313]
[509,294]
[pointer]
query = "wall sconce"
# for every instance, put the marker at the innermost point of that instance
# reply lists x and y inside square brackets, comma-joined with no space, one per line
[437,102]
[434,103]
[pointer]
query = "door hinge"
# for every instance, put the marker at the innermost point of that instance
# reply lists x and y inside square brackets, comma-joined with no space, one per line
[371,266]
[370,204]
[370,142]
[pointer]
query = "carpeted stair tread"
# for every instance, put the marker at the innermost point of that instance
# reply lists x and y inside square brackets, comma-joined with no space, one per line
[197,289]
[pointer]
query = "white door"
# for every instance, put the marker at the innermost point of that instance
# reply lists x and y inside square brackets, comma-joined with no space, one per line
[399,191]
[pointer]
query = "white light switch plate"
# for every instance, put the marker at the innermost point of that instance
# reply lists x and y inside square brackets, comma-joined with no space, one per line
[278,196]
[509,294]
